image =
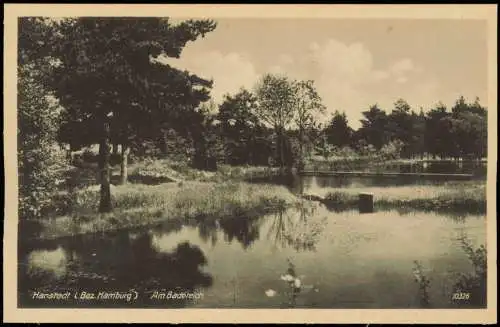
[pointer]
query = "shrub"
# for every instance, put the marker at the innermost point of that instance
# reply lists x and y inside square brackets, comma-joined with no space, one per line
[392,150]
[474,283]
[89,156]
[41,161]
[423,283]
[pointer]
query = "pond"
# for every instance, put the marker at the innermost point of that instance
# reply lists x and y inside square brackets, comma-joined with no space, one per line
[475,168]
[342,259]
[303,183]
[299,184]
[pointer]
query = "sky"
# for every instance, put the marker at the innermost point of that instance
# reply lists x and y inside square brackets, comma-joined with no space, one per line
[354,63]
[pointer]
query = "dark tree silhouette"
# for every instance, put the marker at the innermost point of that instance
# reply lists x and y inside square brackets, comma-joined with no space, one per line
[107,76]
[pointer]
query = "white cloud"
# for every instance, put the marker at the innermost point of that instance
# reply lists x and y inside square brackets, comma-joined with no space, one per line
[347,80]
[344,74]
[402,66]
[230,71]
[351,63]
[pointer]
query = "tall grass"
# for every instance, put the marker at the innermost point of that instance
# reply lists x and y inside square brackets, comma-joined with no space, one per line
[473,283]
[139,205]
[423,284]
[470,287]
[463,197]
[165,170]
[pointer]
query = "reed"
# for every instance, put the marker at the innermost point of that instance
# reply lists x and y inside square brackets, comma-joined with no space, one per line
[454,197]
[140,205]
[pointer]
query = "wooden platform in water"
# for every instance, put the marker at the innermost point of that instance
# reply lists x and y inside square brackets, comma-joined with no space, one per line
[376,174]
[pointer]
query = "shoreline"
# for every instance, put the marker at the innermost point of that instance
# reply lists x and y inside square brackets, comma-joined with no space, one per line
[150,206]
[229,193]
[465,200]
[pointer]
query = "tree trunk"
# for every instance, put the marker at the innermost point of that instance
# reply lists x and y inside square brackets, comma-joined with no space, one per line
[104,154]
[250,152]
[68,156]
[124,164]
[301,149]
[115,148]
[282,150]
[165,144]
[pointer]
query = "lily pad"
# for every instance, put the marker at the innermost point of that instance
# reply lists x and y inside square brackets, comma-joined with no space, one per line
[270,293]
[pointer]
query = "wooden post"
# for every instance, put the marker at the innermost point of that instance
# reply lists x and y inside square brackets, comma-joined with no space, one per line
[365,202]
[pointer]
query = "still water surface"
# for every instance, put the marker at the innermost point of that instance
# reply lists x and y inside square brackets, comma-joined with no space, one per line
[319,184]
[343,260]
[300,184]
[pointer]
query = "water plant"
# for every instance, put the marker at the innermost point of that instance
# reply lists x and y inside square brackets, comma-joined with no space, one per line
[293,281]
[472,284]
[469,289]
[423,284]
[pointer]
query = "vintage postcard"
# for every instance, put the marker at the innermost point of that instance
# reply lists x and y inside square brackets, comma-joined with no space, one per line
[250,163]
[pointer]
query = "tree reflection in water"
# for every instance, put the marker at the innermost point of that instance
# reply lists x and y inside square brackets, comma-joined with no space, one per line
[297,227]
[118,263]
[207,231]
[245,230]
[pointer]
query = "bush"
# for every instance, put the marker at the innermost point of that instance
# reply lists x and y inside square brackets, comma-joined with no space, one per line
[144,149]
[41,161]
[475,282]
[392,150]
[89,156]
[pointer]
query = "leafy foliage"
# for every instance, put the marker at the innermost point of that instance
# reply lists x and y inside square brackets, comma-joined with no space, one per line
[475,282]
[423,284]
[459,133]
[114,87]
[240,128]
[40,160]
[276,100]
[338,132]
[110,65]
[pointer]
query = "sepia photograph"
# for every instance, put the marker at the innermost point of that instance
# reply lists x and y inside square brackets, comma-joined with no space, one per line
[213,161]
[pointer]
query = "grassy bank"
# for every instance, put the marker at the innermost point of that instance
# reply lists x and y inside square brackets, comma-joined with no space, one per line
[163,170]
[464,197]
[165,190]
[142,205]
[154,172]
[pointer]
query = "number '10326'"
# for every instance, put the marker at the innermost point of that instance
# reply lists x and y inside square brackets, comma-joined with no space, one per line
[461,296]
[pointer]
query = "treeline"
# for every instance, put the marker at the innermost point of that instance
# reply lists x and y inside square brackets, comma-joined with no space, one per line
[85,81]
[273,125]
[237,133]
[457,132]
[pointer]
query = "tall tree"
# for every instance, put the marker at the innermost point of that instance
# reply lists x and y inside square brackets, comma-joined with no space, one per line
[438,137]
[337,131]
[417,137]
[239,126]
[468,127]
[108,72]
[205,135]
[400,125]
[374,127]
[39,162]
[276,96]
[307,106]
